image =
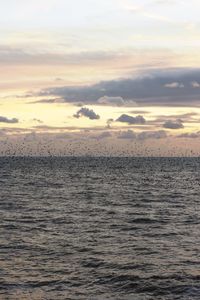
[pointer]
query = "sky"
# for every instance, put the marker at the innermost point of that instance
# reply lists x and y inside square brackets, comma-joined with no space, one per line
[109,77]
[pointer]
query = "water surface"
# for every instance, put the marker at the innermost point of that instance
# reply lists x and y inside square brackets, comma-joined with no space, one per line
[100,228]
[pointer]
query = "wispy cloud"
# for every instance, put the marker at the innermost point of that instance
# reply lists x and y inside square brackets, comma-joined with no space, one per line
[20,56]
[145,11]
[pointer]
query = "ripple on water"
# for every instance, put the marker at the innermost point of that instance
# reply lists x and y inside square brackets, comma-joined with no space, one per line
[99,228]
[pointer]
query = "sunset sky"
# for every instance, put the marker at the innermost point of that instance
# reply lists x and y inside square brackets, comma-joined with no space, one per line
[117,77]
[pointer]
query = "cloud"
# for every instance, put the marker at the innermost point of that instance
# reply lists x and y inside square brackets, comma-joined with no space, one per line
[190,117]
[103,135]
[144,11]
[6,120]
[185,116]
[143,112]
[144,135]
[129,134]
[192,135]
[47,101]
[146,89]
[131,120]
[195,84]
[115,101]
[20,56]
[173,124]
[174,85]
[166,2]
[86,112]
[160,134]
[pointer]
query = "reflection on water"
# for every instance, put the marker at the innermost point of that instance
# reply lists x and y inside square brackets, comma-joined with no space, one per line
[99,228]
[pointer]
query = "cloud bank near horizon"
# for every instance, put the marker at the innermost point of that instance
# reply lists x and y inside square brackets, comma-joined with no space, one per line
[161,87]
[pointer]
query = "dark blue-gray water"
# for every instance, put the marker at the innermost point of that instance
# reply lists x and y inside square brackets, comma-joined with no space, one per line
[100,228]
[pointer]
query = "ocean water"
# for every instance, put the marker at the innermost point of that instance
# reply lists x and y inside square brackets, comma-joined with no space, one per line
[100,228]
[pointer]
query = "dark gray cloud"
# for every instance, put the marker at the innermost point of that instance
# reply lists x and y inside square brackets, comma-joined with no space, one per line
[173,124]
[6,120]
[131,120]
[86,112]
[150,88]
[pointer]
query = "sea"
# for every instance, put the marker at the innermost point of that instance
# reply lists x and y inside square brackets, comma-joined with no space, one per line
[97,228]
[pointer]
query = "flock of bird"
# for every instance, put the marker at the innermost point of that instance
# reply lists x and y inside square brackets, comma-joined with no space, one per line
[95,148]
